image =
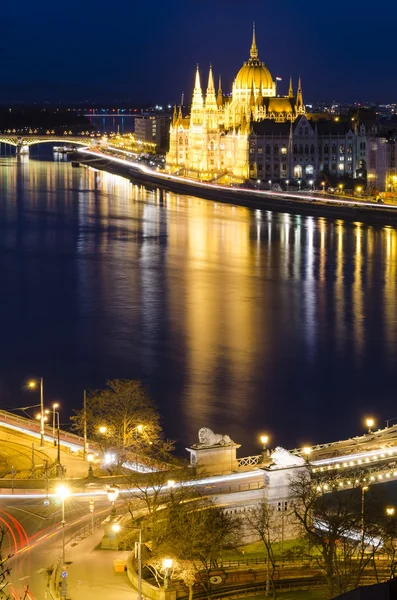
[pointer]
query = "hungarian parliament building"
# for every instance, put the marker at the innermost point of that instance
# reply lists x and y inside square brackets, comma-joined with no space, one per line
[258,134]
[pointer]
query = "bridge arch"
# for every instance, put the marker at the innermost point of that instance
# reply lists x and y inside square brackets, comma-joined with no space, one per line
[20,141]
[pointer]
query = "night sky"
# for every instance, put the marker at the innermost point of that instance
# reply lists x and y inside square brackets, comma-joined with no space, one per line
[147,51]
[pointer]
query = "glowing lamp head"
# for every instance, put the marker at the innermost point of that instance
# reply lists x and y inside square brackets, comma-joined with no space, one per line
[90,457]
[55,405]
[62,491]
[370,422]
[167,563]
[307,450]
[171,483]
[139,428]
[113,494]
[116,527]
[264,439]
[390,510]
[31,384]
[103,429]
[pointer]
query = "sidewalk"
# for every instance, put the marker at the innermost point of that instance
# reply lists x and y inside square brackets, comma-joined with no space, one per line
[91,575]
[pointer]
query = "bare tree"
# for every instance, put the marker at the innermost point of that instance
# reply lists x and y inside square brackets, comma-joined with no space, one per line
[263,521]
[130,420]
[332,522]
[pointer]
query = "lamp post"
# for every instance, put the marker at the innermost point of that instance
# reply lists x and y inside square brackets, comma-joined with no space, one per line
[370,423]
[307,452]
[167,565]
[323,184]
[32,384]
[287,182]
[54,412]
[113,493]
[63,492]
[264,442]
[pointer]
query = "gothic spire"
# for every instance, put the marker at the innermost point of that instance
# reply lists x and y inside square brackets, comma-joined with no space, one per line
[299,97]
[254,49]
[291,89]
[219,99]
[197,102]
[210,87]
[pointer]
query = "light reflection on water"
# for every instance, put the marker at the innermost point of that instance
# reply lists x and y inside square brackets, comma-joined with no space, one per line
[243,321]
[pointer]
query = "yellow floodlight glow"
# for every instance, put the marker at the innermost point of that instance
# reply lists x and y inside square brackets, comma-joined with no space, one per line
[62,491]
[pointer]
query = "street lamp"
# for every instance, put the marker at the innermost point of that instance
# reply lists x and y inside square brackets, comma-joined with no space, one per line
[32,385]
[370,423]
[323,184]
[307,452]
[167,565]
[113,493]
[287,182]
[63,492]
[116,527]
[103,429]
[390,511]
[311,183]
[264,441]
[54,412]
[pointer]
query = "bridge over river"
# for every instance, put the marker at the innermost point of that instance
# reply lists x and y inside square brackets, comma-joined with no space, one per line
[23,142]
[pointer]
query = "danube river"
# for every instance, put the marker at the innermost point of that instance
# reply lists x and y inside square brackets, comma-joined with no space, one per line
[240,320]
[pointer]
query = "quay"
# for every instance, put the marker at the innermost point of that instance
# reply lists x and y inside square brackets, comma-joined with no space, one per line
[295,203]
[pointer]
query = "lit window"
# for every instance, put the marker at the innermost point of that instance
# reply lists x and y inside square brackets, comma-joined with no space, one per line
[283,150]
[341,166]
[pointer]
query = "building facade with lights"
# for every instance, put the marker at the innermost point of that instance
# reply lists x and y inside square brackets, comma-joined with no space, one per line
[256,134]
[213,140]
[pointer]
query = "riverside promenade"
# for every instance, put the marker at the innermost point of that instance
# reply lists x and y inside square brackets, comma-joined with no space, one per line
[293,202]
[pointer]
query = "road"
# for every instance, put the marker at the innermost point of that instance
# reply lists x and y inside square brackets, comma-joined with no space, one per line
[34,537]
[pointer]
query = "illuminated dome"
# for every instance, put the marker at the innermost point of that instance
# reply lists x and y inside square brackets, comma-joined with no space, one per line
[253,74]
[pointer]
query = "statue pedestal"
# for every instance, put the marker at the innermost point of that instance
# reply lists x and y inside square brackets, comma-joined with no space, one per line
[110,539]
[217,459]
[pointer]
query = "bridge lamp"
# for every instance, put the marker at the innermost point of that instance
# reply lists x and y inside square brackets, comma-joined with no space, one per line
[32,384]
[264,441]
[167,566]
[307,450]
[370,423]
[390,511]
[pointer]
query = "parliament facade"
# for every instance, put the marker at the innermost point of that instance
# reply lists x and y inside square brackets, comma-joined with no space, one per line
[214,139]
[256,134]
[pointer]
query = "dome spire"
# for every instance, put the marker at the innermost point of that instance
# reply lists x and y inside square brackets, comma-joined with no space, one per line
[254,49]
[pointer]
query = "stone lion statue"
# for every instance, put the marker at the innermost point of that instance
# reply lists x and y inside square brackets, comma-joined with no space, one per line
[282,458]
[208,438]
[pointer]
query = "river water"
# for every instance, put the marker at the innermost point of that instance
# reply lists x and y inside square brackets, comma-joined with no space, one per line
[240,320]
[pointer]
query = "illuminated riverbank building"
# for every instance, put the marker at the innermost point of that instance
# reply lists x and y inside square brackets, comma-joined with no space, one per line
[214,139]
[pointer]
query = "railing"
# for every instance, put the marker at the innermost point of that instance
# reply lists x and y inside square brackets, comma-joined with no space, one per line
[249,461]
[34,426]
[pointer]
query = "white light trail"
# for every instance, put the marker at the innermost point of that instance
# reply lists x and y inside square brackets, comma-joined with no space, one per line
[238,191]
